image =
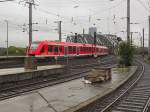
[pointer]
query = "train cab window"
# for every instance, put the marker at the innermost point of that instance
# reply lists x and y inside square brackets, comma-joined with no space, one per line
[43,49]
[34,46]
[50,48]
[56,49]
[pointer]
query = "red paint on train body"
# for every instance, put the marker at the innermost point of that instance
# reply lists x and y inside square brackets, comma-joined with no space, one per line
[62,49]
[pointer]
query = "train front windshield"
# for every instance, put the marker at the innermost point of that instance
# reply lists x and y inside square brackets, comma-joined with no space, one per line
[33,46]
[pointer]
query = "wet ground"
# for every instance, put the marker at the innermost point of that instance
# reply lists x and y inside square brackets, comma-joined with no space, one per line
[63,96]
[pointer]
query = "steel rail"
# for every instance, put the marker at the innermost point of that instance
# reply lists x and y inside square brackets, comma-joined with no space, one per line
[147,105]
[107,108]
[21,89]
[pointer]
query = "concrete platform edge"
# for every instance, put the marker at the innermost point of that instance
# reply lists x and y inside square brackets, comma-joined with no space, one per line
[98,96]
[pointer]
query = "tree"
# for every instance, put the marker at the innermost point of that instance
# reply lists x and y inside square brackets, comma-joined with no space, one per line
[126,52]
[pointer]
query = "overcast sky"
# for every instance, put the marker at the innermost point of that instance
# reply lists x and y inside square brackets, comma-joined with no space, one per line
[108,16]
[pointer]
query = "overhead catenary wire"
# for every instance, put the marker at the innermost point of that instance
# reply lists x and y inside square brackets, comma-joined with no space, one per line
[144,6]
[79,20]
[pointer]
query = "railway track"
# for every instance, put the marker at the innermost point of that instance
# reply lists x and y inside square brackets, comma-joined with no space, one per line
[15,89]
[19,62]
[133,96]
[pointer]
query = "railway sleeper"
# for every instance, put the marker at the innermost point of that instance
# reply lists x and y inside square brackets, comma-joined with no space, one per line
[140,98]
[131,106]
[144,91]
[133,103]
[122,109]
[144,85]
[135,100]
[139,95]
[141,92]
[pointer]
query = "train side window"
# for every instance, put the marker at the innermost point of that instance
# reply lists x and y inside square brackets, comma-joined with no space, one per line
[74,49]
[89,49]
[97,49]
[85,49]
[70,48]
[78,49]
[50,48]
[55,48]
[100,50]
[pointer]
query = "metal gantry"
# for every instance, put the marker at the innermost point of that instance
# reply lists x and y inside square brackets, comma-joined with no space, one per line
[106,40]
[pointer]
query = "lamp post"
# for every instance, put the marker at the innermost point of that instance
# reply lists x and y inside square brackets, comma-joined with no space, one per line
[7,36]
[7,23]
[59,29]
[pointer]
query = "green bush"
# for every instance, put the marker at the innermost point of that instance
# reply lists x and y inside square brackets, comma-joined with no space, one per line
[126,52]
[13,51]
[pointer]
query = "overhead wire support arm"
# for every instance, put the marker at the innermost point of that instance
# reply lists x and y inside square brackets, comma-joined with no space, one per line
[6,0]
[30,3]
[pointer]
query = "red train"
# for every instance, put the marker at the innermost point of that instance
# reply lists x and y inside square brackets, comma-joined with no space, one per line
[62,49]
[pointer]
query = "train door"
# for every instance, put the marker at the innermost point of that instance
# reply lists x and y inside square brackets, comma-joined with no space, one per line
[56,50]
[66,50]
[60,50]
[50,49]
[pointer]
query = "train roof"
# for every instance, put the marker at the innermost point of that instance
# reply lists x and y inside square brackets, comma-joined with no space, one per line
[68,44]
